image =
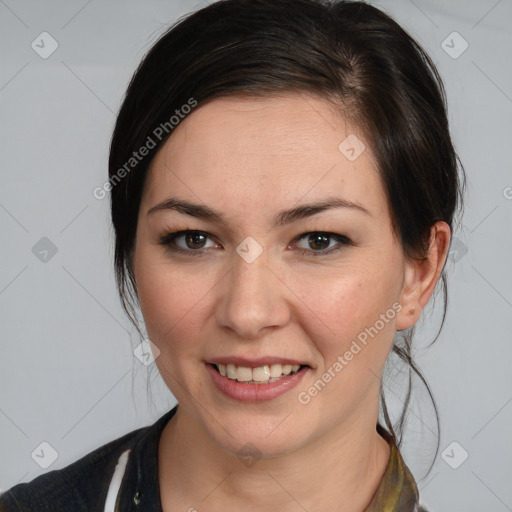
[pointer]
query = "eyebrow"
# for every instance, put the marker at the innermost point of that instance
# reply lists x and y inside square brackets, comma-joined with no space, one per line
[282,218]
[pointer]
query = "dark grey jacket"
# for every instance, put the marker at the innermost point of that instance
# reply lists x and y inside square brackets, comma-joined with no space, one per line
[84,485]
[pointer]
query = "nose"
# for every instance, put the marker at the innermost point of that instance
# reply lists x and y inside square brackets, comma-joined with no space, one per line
[253,299]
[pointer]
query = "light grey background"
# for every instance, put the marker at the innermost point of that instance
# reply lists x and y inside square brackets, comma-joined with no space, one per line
[68,376]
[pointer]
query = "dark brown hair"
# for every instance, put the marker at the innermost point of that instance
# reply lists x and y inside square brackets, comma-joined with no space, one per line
[349,53]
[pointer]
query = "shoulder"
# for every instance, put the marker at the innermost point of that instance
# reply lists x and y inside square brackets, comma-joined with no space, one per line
[80,486]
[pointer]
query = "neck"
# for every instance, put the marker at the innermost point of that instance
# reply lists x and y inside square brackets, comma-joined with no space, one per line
[343,467]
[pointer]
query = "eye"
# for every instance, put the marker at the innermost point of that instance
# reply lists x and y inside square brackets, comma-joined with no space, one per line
[320,242]
[194,242]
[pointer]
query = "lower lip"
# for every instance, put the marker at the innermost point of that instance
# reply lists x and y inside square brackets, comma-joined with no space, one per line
[245,392]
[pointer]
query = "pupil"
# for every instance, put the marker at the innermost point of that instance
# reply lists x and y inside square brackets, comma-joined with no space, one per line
[194,239]
[314,239]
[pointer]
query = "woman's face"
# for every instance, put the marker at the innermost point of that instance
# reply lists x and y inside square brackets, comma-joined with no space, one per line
[257,287]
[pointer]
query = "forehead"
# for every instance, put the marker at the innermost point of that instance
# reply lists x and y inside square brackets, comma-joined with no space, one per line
[261,151]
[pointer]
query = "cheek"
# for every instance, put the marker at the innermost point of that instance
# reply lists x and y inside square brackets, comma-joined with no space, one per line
[170,299]
[349,305]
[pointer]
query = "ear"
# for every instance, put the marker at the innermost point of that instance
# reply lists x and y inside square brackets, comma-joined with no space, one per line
[421,276]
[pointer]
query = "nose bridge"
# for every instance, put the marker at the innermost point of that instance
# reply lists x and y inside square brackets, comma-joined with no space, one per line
[252,299]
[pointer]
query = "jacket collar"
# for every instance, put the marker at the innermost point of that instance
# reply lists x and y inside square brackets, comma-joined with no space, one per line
[140,490]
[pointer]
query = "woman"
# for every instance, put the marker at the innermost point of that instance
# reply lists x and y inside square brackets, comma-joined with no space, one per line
[283,188]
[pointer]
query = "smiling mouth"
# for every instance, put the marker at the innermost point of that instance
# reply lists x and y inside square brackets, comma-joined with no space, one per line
[260,375]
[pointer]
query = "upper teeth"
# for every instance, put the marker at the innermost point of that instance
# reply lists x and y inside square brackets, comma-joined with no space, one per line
[258,374]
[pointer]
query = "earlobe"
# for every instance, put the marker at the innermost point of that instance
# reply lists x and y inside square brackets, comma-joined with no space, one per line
[422,275]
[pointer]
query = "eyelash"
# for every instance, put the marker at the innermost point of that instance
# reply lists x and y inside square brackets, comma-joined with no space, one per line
[168,241]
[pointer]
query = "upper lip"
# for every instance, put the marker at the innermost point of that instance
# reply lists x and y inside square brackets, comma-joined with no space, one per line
[254,363]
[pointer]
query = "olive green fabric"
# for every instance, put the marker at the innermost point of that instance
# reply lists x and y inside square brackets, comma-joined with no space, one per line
[397,491]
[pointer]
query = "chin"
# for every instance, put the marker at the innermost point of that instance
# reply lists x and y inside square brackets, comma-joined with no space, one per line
[268,432]
[254,446]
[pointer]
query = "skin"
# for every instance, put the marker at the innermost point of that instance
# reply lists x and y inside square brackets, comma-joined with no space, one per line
[249,159]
